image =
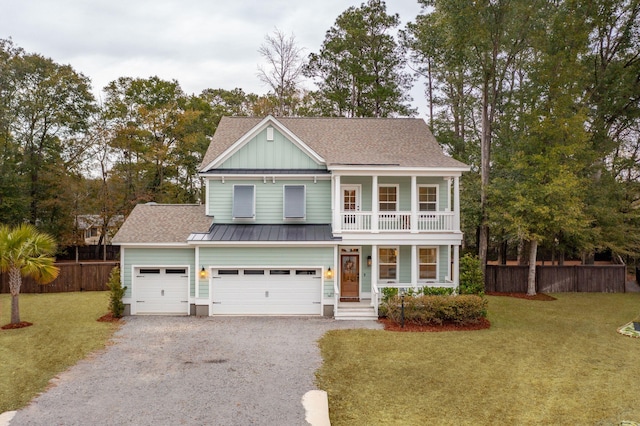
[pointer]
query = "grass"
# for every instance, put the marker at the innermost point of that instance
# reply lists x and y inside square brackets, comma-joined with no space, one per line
[64,331]
[558,362]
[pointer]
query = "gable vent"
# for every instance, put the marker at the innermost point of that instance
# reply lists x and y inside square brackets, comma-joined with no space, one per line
[270,134]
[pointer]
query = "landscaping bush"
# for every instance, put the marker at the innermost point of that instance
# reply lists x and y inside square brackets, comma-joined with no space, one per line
[116,291]
[429,310]
[471,278]
[437,291]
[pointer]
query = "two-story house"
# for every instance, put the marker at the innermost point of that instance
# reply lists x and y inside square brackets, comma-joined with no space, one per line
[303,216]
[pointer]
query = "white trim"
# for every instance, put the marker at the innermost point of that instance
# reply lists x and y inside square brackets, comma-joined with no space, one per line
[379,263]
[404,239]
[207,211]
[389,185]
[268,120]
[358,188]
[366,170]
[417,264]
[428,185]
[262,176]
[154,245]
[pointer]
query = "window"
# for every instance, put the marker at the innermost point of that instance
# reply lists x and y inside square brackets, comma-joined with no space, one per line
[280,272]
[428,198]
[428,263]
[227,272]
[388,263]
[388,198]
[149,271]
[254,271]
[244,202]
[294,201]
[175,271]
[305,271]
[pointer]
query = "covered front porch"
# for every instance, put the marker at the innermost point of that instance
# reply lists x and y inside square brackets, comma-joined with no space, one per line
[363,272]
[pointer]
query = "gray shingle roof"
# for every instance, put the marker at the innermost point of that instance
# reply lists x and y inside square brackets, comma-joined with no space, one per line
[163,223]
[244,232]
[404,142]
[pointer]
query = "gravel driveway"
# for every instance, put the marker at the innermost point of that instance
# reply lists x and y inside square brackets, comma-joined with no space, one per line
[191,371]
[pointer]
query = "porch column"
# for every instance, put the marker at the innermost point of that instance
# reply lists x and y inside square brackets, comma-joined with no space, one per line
[456,267]
[196,273]
[449,201]
[337,205]
[374,272]
[414,266]
[374,203]
[414,206]
[456,203]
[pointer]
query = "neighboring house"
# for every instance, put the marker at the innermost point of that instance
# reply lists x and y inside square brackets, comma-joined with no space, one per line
[90,225]
[303,216]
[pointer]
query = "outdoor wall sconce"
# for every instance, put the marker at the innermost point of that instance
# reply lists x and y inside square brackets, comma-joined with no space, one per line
[203,273]
[329,273]
[368,260]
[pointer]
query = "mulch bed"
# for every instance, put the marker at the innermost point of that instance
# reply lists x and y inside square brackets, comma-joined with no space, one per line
[109,318]
[538,296]
[22,324]
[391,325]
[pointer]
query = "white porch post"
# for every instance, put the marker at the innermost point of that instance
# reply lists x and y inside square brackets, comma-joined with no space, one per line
[374,203]
[456,203]
[196,273]
[449,197]
[414,206]
[337,205]
[414,266]
[374,267]
[456,267]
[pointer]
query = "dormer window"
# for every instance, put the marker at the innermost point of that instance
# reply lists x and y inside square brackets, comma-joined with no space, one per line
[244,201]
[294,202]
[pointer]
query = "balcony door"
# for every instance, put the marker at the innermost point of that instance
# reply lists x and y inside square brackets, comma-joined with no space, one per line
[350,206]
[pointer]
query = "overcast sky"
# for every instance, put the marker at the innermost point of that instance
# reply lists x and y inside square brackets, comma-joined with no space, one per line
[202,44]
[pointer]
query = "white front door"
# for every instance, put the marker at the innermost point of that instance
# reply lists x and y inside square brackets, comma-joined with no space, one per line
[351,207]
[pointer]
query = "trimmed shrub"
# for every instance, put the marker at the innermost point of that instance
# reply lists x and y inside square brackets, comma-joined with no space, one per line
[471,278]
[429,310]
[437,291]
[116,291]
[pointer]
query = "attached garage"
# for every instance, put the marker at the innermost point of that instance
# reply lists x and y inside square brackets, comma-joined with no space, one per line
[161,290]
[266,291]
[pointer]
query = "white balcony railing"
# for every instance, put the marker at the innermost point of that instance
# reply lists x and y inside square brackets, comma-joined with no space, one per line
[397,221]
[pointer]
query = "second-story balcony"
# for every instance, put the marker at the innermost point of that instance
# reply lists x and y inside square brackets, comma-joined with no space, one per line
[397,221]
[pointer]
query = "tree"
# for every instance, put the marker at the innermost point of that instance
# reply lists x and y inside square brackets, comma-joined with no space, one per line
[284,59]
[360,67]
[476,45]
[26,252]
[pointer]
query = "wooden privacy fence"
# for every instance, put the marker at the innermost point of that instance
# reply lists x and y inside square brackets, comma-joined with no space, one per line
[557,279]
[83,276]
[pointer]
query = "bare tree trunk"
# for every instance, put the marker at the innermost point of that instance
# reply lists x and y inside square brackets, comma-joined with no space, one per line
[15,281]
[531,280]
[485,163]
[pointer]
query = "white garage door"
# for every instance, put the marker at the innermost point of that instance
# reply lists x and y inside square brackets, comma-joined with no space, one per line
[161,291]
[266,291]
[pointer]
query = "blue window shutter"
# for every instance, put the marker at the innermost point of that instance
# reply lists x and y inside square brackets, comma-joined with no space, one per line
[294,201]
[243,201]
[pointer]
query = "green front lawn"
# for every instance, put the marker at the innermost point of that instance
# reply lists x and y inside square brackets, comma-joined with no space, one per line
[64,331]
[558,362]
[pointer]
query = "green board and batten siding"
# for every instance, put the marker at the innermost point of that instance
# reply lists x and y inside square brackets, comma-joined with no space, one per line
[281,153]
[268,257]
[269,200]
[158,257]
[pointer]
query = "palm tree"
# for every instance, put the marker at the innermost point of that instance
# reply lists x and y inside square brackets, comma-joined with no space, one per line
[26,252]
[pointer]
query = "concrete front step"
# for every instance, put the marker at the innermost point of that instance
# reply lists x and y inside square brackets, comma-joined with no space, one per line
[356,313]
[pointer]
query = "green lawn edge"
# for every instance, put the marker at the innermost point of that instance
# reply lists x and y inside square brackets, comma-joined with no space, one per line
[64,331]
[556,362]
